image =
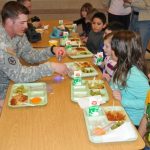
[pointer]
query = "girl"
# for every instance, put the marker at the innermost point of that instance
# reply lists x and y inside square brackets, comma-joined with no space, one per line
[109,64]
[84,11]
[129,81]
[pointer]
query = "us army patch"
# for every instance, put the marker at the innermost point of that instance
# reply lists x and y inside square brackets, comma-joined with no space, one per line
[11,60]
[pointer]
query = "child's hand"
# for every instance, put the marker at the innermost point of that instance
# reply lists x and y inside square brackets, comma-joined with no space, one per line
[149,75]
[117,95]
[106,76]
[84,39]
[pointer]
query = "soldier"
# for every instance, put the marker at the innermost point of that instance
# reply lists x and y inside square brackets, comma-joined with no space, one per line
[14,45]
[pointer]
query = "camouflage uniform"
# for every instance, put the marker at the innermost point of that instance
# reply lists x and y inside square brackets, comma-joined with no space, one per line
[11,68]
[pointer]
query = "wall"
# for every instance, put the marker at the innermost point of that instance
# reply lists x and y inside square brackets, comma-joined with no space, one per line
[58,9]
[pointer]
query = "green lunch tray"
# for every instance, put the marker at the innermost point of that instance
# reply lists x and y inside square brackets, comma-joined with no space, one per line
[22,94]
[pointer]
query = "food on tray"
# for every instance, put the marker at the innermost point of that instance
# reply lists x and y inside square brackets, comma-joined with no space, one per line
[18,98]
[20,89]
[83,53]
[28,94]
[72,53]
[83,64]
[92,92]
[117,124]
[98,131]
[115,115]
[80,49]
[36,100]
[87,70]
[13,101]
[85,67]
[74,39]
[95,85]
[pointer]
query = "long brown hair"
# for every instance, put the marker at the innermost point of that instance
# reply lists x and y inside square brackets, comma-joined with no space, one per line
[128,48]
[86,7]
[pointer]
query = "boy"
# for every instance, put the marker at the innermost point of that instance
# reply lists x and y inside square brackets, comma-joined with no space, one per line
[95,37]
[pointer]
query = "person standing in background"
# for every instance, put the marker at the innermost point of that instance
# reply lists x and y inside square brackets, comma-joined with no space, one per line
[117,12]
[140,19]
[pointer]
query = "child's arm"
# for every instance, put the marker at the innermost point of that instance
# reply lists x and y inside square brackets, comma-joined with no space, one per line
[142,126]
[84,39]
[106,76]
[117,95]
[79,21]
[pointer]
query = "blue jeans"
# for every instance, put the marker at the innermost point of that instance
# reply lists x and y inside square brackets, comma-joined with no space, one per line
[142,27]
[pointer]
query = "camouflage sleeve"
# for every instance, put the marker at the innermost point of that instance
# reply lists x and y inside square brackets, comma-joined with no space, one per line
[32,55]
[11,66]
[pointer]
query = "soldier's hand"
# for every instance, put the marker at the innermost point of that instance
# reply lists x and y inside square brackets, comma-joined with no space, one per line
[60,68]
[59,51]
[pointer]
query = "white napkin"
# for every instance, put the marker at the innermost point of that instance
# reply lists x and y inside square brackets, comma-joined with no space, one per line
[125,132]
[86,102]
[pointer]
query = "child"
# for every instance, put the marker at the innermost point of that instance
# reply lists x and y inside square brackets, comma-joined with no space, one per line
[84,11]
[144,128]
[111,27]
[109,64]
[95,37]
[129,81]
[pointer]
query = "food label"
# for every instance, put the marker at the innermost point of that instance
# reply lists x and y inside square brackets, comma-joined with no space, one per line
[98,59]
[77,80]
[94,110]
[65,34]
[68,45]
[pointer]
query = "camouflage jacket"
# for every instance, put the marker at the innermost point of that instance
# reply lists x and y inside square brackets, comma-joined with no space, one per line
[11,49]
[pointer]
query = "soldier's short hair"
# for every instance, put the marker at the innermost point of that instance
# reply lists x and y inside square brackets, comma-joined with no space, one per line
[12,9]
